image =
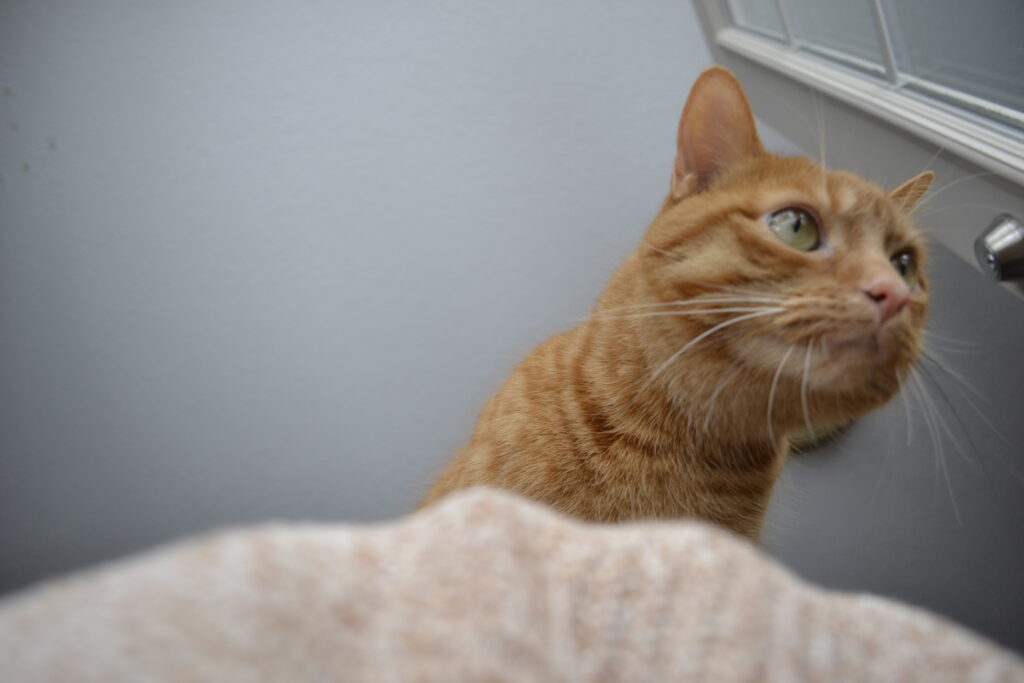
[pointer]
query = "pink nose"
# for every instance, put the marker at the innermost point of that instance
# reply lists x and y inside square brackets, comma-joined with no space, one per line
[889,294]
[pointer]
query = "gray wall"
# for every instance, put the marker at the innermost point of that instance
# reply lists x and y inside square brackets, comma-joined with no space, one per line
[264,260]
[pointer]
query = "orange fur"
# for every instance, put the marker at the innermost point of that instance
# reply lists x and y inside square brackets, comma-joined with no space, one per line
[633,414]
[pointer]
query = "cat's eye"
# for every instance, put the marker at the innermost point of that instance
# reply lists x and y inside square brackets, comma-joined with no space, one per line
[906,265]
[796,227]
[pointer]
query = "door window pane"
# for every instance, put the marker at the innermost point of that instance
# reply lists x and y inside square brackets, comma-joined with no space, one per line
[836,28]
[976,47]
[759,15]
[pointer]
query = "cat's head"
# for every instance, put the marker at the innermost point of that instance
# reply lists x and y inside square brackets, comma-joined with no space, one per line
[809,281]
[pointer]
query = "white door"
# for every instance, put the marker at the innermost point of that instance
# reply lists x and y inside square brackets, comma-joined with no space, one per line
[924,500]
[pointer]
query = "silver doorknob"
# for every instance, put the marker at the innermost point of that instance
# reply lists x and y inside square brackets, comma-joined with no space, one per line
[1000,249]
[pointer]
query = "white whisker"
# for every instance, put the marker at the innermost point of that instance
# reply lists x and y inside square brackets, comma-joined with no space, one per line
[699,301]
[680,314]
[726,378]
[739,291]
[905,400]
[955,375]
[942,424]
[952,410]
[948,344]
[931,161]
[669,254]
[980,413]
[771,392]
[803,387]
[931,334]
[820,121]
[951,207]
[926,416]
[940,346]
[931,197]
[703,335]
[934,419]
[880,479]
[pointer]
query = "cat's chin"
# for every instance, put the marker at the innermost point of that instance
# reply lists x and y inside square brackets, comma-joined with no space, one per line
[840,363]
[852,364]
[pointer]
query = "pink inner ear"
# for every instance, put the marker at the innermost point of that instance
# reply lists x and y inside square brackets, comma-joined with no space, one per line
[716,130]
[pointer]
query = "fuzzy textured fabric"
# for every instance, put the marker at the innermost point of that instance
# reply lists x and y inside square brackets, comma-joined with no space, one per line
[481,587]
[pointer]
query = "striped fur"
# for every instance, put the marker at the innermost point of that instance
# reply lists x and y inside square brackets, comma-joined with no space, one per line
[713,343]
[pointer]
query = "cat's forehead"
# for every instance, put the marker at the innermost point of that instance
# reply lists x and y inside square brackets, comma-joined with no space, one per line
[834,191]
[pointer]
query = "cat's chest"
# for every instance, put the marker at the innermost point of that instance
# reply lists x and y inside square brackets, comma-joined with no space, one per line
[678,477]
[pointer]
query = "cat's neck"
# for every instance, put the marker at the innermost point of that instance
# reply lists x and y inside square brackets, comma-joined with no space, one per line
[704,407]
[688,385]
[712,454]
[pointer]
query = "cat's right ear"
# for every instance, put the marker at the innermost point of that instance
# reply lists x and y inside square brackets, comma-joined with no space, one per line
[716,129]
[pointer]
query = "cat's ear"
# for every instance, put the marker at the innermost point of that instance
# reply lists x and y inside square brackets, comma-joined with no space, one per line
[907,195]
[716,129]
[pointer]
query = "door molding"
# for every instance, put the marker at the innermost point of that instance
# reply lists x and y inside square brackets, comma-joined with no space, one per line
[984,142]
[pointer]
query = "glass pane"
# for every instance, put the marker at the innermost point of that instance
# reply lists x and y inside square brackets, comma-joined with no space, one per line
[835,29]
[976,47]
[759,15]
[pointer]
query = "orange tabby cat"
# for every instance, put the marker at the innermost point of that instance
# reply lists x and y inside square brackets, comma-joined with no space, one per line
[768,296]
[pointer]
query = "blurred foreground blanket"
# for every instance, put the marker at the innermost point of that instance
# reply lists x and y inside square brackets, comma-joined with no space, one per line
[481,587]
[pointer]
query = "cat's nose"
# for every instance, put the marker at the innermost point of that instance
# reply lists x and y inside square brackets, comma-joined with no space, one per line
[889,294]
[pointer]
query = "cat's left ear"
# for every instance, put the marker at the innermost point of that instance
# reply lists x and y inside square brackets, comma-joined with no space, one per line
[907,195]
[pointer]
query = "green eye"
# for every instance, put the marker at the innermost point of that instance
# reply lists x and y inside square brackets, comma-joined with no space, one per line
[796,227]
[906,265]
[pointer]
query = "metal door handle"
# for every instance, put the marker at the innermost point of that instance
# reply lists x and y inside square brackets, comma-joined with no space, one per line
[1000,249]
